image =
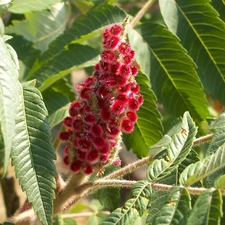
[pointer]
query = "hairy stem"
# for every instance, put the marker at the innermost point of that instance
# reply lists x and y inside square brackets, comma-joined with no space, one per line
[143,10]
[203,139]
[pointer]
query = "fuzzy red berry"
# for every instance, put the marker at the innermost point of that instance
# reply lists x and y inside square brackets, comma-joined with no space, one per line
[105,114]
[77,124]
[133,104]
[118,107]
[96,130]
[127,126]
[89,118]
[107,56]
[84,144]
[116,29]
[76,165]
[86,93]
[68,121]
[98,142]
[92,156]
[124,48]
[74,108]
[87,169]
[80,155]
[124,71]
[64,136]
[132,116]
[66,160]
[111,43]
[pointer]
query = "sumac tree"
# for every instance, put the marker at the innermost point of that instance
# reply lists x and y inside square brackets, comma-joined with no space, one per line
[156,82]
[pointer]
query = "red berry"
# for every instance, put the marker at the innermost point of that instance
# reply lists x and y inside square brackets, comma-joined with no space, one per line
[133,104]
[84,144]
[140,99]
[132,116]
[98,142]
[127,126]
[116,29]
[77,124]
[68,121]
[64,136]
[113,131]
[124,48]
[118,107]
[89,118]
[96,130]
[105,114]
[86,93]
[80,155]
[74,108]
[87,169]
[105,149]
[107,56]
[66,160]
[92,156]
[90,81]
[66,149]
[111,43]
[134,69]
[103,158]
[124,71]
[76,165]
[135,88]
[114,67]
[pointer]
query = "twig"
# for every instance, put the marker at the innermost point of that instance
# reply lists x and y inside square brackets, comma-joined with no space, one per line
[143,10]
[203,139]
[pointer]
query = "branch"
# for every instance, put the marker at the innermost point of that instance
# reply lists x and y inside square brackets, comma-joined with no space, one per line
[143,10]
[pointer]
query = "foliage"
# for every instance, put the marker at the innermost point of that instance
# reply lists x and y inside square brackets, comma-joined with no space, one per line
[179,133]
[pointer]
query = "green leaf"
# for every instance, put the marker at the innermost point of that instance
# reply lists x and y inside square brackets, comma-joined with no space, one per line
[133,208]
[220,182]
[182,138]
[85,27]
[59,220]
[172,73]
[109,197]
[33,154]
[176,211]
[5,5]
[202,33]
[10,93]
[58,116]
[148,128]
[41,28]
[24,49]
[219,123]
[22,6]
[207,209]
[202,169]
[54,100]
[75,57]
[96,219]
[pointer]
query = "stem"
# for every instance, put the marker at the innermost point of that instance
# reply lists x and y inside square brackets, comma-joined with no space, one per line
[129,168]
[143,10]
[203,139]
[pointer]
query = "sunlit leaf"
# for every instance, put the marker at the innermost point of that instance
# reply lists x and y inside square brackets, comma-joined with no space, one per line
[33,154]
[10,92]
[202,33]
[172,73]
[22,6]
[207,209]
[41,27]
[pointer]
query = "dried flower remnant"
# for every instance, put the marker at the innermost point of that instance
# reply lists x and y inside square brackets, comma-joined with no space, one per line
[106,107]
